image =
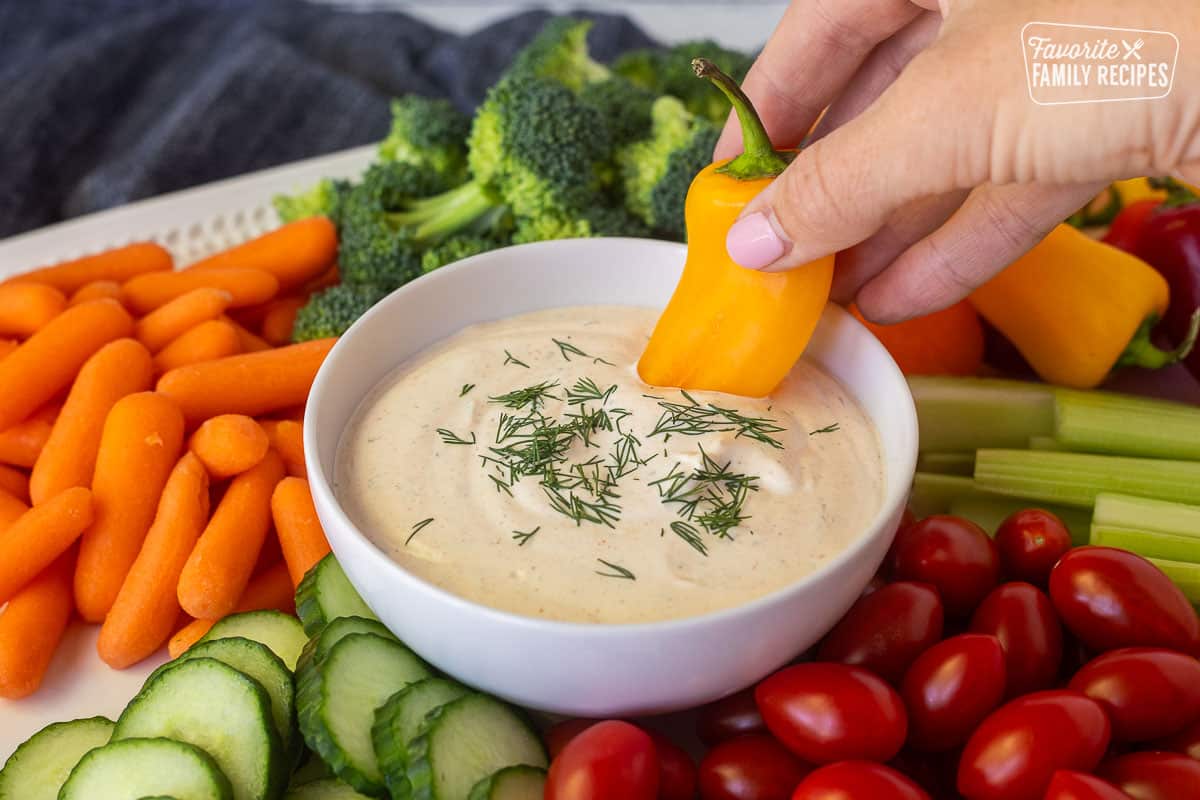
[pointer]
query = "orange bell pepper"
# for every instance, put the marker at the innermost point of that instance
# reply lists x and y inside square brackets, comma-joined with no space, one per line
[946,342]
[728,328]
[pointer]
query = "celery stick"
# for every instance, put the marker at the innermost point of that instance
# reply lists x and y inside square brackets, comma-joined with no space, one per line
[1045,443]
[958,414]
[932,494]
[947,463]
[1185,576]
[1074,479]
[988,511]
[1103,422]
[1148,544]
[1145,514]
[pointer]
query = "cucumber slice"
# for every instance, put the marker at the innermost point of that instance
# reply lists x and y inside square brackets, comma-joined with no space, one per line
[398,721]
[342,627]
[40,766]
[327,789]
[464,742]
[325,594]
[280,632]
[311,768]
[511,783]
[211,705]
[258,662]
[146,768]
[337,698]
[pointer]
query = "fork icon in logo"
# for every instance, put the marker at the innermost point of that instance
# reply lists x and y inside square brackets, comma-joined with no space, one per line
[1132,49]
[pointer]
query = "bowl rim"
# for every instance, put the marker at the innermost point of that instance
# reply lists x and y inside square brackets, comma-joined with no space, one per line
[894,499]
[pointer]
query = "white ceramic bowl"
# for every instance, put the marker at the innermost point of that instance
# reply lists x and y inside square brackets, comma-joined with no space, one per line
[585,669]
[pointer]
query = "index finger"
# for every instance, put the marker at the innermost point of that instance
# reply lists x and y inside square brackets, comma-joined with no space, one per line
[817,47]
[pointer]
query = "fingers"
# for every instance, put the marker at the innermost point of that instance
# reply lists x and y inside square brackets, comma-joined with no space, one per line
[995,226]
[815,49]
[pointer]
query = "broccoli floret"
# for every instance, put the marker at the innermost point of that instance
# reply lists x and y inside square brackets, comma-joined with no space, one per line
[458,248]
[320,200]
[331,312]
[560,53]
[624,106]
[598,221]
[428,133]
[669,71]
[657,171]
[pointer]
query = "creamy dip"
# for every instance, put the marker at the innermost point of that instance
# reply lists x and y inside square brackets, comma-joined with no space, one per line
[522,464]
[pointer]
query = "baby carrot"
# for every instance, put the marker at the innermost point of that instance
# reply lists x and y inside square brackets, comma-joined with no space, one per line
[21,444]
[11,507]
[119,264]
[205,342]
[48,361]
[32,626]
[14,482]
[40,535]
[294,253]
[330,277]
[229,444]
[245,286]
[140,443]
[300,534]
[223,560]
[117,369]
[144,613]
[287,437]
[251,383]
[96,290]
[281,315]
[26,307]
[270,589]
[168,322]
[251,342]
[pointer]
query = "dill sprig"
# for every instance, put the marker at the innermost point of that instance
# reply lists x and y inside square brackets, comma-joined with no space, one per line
[690,535]
[586,389]
[617,571]
[509,358]
[521,537]
[710,495]
[466,387]
[450,437]
[532,397]
[832,428]
[695,419]
[420,526]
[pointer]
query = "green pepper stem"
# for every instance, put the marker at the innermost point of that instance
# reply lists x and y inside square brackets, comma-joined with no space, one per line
[1177,193]
[1141,352]
[759,158]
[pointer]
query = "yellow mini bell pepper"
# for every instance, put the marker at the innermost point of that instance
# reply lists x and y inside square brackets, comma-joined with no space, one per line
[1076,308]
[728,328]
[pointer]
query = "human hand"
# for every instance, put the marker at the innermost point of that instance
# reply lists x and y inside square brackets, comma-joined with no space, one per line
[932,168]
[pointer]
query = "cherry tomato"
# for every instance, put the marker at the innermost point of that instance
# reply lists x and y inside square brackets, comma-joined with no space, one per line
[1069,785]
[1147,692]
[1017,749]
[561,733]
[1112,598]
[676,770]
[1186,742]
[750,767]
[887,629]
[609,759]
[1154,776]
[728,717]
[1030,542]
[1021,617]
[934,772]
[952,554]
[950,688]
[833,712]
[855,779]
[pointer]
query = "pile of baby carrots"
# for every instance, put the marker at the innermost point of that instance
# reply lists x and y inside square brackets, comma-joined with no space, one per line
[152,472]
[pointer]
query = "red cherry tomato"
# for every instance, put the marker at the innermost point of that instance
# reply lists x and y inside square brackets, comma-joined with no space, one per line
[676,770]
[1186,742]
[1154,776]
[728,717]
[887,629]
[849,780]
[561,733]
[1030,542]
[1147,692]
[950,688]
[609,759]
[1068,785]
[833,712]
[1112,598]
[1021,617]
[952,554]
[750,767]
[1017,749]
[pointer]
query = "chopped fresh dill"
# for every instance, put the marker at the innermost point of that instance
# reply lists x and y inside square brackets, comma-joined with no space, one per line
[532,397]
[617,571]
[450,437]
[710,495]
[420,526]
[598,360]
[832,428]
[694,419]
[501,485]
[585,389]
[690,535]
[521,537]
[509,358]
[466,388]
[566,350]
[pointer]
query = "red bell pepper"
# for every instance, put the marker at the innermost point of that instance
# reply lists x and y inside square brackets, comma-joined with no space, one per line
[1126,229]
[1170,242]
